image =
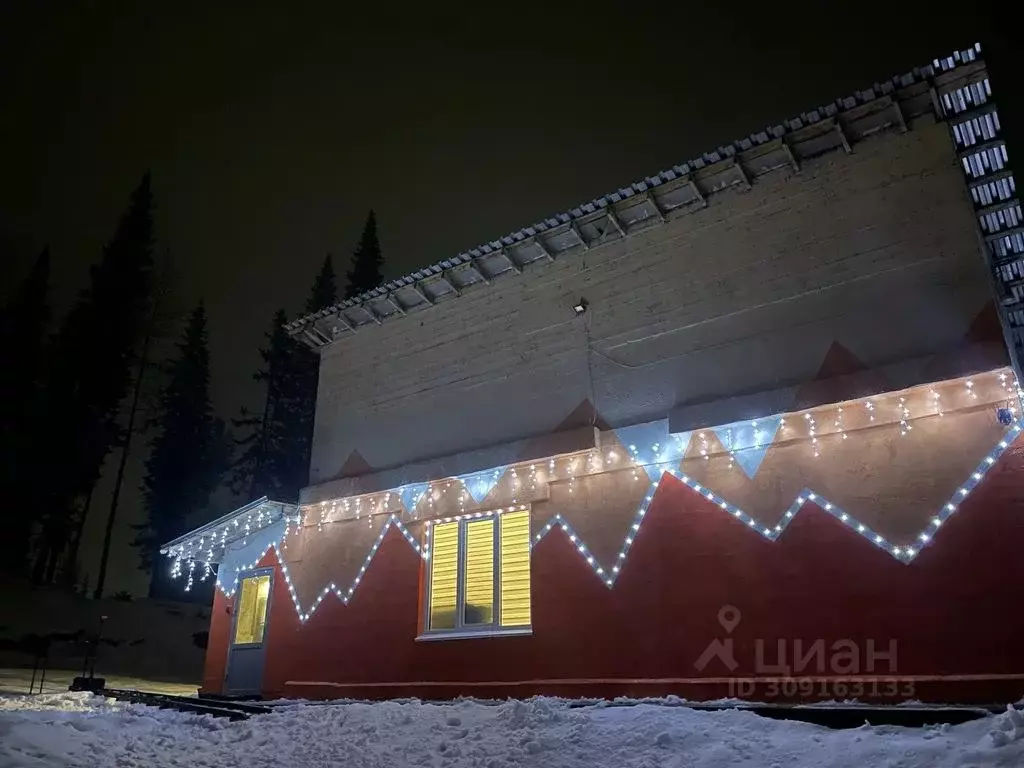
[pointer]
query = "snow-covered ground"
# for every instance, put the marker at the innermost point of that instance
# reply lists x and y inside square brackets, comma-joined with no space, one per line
[74,729]
[58,681]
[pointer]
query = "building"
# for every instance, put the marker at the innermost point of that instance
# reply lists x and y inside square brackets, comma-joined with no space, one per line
[748,427]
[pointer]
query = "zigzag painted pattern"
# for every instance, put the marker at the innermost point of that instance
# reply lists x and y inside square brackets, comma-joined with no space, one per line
[903,553]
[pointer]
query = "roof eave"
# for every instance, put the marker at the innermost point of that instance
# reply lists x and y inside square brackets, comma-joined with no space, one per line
[220,521]
[646,202]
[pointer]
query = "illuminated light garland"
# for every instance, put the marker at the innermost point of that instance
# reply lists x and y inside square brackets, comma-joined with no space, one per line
[904,553]
[251,519]
[480,484]
[839,422]
[343,595]
[475,515]
[905,425]
[812,432]
[577,542]
[425,550]
[665,445]
[728,442]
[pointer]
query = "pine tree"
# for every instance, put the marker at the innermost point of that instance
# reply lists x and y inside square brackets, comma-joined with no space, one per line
[325,289]
[90,373]
[23,328]
[274,457]
[188,452]
[158,327]
[263,466]
[367,261]
[307,364]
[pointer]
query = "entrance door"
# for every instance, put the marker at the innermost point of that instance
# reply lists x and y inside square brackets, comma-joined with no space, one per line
[249,633]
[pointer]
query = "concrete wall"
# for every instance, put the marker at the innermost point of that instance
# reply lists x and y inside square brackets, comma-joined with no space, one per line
[152,639]
[876,250]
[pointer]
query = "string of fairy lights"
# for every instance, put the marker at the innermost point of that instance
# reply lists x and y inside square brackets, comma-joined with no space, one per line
[902,552]
[193,557]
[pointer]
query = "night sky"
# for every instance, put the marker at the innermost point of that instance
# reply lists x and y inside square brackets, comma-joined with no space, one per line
[270,134]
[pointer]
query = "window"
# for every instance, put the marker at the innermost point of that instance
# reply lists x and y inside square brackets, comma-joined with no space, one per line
[479,577]
[253,596]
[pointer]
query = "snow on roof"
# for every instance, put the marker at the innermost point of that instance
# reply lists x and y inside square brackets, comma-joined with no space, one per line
[653,199]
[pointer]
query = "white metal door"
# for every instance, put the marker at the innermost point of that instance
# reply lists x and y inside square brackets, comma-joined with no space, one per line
[249,627]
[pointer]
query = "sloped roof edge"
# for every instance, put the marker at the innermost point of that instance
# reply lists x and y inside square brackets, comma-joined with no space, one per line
[648,201]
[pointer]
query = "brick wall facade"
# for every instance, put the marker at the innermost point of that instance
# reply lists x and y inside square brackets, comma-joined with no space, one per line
[876,250]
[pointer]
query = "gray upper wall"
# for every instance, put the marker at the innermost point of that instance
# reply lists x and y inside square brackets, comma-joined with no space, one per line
[737,288]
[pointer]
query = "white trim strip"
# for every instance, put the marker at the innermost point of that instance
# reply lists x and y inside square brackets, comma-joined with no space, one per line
[474,634]
[966,678]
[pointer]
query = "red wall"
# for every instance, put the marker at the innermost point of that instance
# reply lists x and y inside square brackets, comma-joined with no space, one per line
[955,612]
[217,643]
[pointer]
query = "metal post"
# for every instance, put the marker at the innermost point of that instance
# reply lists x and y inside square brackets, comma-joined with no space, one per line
[96,648]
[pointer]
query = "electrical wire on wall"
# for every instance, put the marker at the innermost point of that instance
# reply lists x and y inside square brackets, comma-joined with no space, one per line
[590,370]
[613,361]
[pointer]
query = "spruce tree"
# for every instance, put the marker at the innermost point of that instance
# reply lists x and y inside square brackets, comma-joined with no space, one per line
[367,261]
[188,451]
[23,328]
[274,454]
[263,466]
[325,290]
[307,362]
[91,360]
[159,326]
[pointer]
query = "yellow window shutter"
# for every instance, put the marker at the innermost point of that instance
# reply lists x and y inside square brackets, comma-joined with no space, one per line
[444,575]
[479,608]
[515,569]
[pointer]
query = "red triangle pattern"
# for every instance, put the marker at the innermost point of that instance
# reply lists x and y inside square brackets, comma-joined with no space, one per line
[949,612]
[842,376]
[355,466]
[982,348]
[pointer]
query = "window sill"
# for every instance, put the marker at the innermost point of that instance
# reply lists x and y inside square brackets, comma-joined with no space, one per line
[471,634]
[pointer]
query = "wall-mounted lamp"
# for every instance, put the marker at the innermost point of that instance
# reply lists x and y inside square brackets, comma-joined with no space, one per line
[580,307]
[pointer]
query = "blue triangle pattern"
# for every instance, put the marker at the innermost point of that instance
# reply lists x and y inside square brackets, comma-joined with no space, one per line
[653,447]
[479,484]
[242,555]
[411,494]
[748,441]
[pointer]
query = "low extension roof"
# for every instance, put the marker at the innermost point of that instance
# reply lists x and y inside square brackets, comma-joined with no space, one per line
[212,540]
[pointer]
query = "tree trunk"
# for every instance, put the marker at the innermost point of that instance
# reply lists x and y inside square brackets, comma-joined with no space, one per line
[256,479]
[76,541]
[51,565]
[122,463]
[39,562]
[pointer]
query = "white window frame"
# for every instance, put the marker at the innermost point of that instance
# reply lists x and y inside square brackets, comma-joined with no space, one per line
[461,630]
